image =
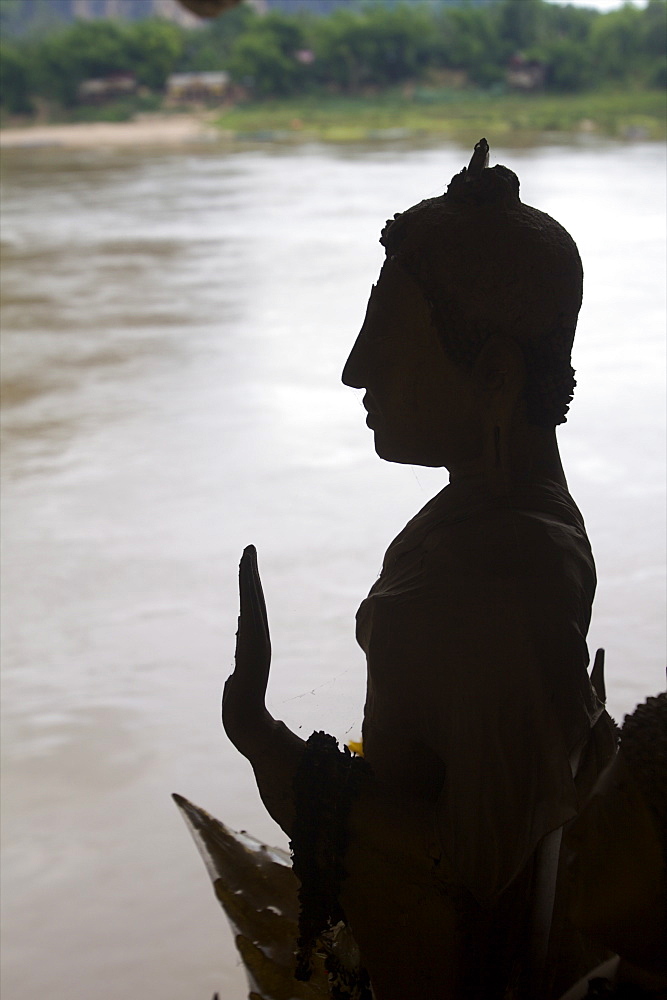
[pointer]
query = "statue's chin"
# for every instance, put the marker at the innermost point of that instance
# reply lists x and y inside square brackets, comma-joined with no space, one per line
[393,452]
[388,452]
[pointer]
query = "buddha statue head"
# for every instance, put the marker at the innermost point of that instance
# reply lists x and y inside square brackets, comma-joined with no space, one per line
[483,268]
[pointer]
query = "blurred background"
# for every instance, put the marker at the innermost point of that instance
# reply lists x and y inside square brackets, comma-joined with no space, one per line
[190,222]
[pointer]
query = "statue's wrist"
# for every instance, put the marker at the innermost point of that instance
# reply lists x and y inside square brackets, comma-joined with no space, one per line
[246,722]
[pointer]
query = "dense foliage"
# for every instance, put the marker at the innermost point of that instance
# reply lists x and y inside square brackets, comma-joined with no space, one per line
[353,50]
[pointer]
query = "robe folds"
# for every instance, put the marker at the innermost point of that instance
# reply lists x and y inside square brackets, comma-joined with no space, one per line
[478,697]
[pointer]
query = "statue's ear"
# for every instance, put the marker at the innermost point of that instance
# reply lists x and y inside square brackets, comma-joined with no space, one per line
[500,366]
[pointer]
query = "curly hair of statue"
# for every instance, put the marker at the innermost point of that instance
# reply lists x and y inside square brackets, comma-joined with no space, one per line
[478,243]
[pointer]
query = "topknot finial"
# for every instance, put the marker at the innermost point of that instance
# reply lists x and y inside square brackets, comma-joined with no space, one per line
[478,185]
[478,161]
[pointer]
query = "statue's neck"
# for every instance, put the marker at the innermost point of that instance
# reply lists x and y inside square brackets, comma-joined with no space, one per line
[529,455]
[534,455]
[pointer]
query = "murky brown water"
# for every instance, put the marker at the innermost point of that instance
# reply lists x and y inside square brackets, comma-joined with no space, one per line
[174,329]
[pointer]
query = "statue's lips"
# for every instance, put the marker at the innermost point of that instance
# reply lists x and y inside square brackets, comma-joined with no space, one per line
[371,415]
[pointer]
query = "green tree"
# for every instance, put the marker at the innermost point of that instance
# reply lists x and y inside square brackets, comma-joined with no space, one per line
[570,22]
[14,80]
[569,68]
[654,28]
[376,46]
[616,43]
[154,48]
[565,48]
[357,46]
[520,22]
[209,47]
[265,57]
[86,49]
[343,49]
[654,43]
[470,41]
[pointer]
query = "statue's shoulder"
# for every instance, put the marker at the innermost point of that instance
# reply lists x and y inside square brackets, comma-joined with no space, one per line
[531,534]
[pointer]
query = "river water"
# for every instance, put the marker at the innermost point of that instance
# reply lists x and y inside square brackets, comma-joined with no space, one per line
[174,325]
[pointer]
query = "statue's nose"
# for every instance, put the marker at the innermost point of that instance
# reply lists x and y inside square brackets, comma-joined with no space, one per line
[353,372]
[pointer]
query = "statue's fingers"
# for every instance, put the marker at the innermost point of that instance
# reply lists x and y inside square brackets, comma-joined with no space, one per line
[251,589]
[253,635]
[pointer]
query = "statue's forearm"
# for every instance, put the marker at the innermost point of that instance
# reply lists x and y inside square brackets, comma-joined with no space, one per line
[274,752]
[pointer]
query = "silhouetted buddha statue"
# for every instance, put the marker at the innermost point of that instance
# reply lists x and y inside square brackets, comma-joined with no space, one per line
[482,731]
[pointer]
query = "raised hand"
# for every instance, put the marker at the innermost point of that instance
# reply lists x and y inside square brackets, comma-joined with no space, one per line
[244,715]
[272,749]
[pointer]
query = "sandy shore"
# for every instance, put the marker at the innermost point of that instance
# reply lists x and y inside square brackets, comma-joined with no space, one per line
[151,130]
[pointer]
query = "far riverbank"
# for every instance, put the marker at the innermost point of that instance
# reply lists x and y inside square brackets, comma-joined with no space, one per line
[454,113]
[409,114]
[153,130]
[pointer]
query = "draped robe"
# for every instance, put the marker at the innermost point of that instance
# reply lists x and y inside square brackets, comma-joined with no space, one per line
[479,708]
